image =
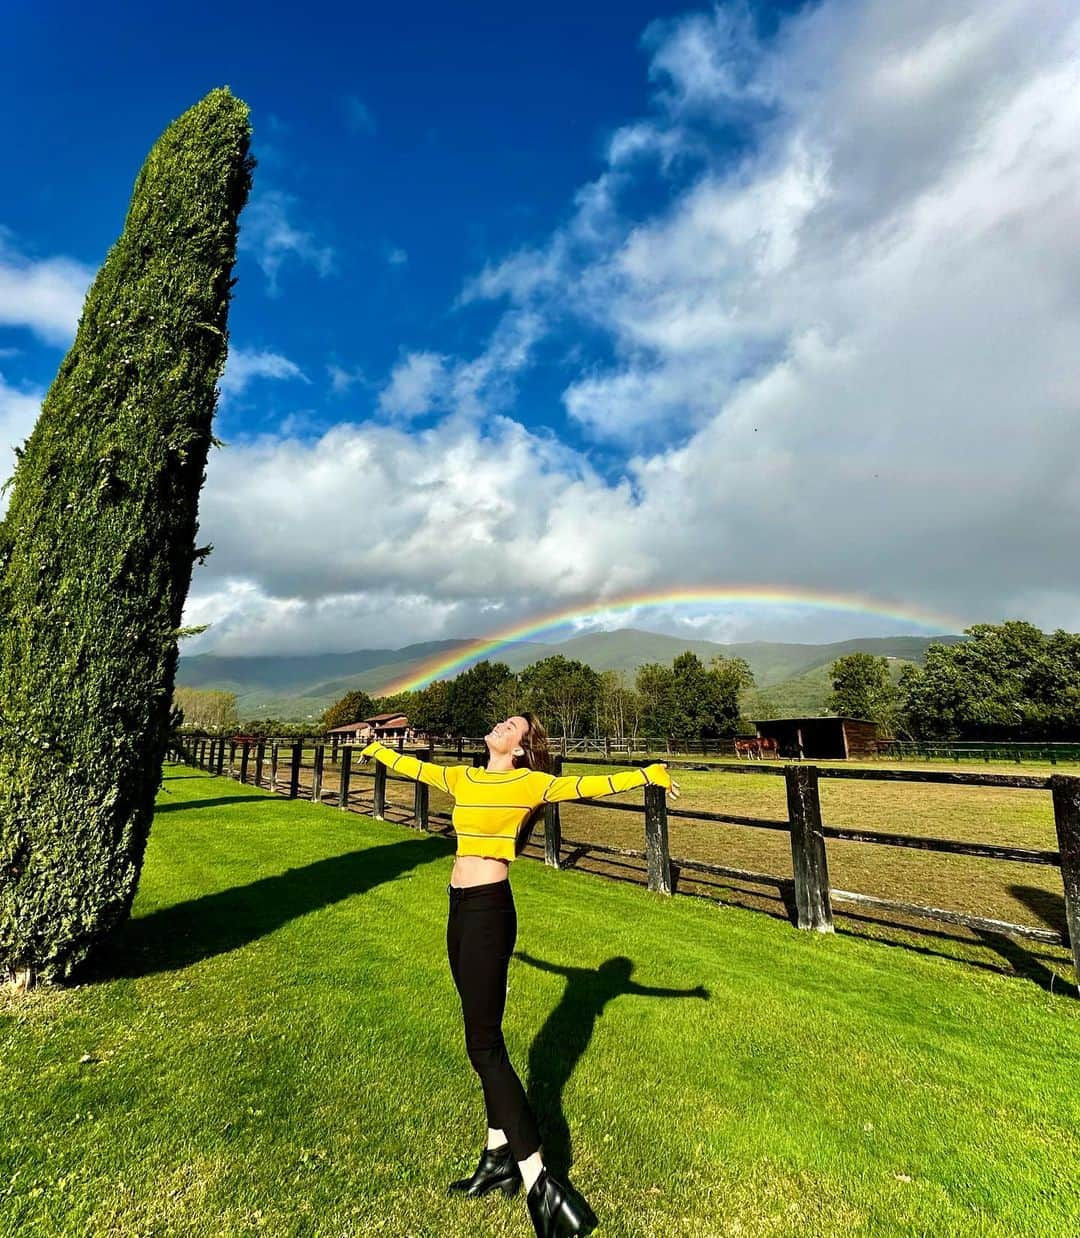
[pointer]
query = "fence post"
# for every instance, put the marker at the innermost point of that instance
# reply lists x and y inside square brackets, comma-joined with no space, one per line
[379,807]
[808,859]
[333,749]
[460,741]
[1065,789]
[421,793]
[346,770]
[232,755]
[316,774]
[553,825]
[220,756]
[260,757]
[294,769]
[656,839]
[244,763]
[273,764]
[420,803]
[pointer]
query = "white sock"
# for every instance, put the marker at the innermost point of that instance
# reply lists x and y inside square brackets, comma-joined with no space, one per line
[530,1170]
[496,1139]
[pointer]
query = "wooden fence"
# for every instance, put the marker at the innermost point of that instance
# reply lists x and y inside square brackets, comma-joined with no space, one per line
[980,750]
[808,834]
[606,744]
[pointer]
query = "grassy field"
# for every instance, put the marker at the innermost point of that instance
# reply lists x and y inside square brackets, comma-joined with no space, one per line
[273,1045]
[1003,890]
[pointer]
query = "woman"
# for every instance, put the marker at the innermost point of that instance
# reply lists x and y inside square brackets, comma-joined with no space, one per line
[495,809]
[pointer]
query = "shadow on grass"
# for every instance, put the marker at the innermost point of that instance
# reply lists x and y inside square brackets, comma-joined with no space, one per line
[220,801]
[201,928]
[565,1035]
[1023,960]
[1048,907]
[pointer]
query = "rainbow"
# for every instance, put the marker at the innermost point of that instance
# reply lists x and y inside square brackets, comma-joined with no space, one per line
[442,666]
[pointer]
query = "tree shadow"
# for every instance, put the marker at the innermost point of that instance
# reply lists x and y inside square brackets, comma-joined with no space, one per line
[565,1035]
[200,928]
[217,802]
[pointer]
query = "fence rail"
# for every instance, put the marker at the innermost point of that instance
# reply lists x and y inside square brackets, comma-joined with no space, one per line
[808,833]
[981,750]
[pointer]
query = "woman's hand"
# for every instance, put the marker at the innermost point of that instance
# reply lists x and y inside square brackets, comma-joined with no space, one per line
[658,775]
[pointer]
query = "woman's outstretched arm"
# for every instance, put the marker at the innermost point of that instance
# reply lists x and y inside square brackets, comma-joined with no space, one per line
[591,786]
[442,776]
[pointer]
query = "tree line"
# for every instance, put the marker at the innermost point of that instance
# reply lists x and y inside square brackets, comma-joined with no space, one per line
[1005,681]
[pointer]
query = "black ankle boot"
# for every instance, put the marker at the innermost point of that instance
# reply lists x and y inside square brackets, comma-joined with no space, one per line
[558,1210]
[497,1171]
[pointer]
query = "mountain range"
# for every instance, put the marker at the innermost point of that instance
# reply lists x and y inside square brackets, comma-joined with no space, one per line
[791,679]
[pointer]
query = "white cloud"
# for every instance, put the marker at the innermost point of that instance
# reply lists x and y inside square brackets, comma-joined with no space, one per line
[455,517]
[414,384]
[424,382]
[243,365]
[43,295]
[341,379]
[267,233]
[396,256]
[19,410]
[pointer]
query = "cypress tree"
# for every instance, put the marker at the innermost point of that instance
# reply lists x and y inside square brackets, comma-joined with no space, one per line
[97,548]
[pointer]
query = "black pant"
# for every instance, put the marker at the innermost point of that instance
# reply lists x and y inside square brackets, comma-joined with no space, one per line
[480,933]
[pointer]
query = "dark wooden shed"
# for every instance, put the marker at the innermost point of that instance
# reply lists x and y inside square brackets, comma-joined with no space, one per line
[831,738]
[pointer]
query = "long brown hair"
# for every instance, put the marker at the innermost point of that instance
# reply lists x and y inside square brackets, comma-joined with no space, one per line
[535,756]
[535,744]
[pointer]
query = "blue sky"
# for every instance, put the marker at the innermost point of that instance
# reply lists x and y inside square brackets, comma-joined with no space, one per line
[545,309]
[413,153]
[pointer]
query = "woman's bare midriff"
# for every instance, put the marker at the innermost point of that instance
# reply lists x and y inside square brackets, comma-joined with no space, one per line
[478,870]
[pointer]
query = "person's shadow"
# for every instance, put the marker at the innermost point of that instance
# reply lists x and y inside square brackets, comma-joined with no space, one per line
[565,1036]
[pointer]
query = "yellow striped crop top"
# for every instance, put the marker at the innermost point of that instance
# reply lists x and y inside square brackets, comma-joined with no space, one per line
[490,805]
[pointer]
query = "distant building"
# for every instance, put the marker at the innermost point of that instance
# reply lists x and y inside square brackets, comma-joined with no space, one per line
[832,738]
[380,726]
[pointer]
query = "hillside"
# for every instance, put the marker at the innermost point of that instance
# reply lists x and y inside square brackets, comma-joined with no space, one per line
[790,678]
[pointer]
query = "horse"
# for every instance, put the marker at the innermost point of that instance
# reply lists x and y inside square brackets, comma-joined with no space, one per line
[752,748]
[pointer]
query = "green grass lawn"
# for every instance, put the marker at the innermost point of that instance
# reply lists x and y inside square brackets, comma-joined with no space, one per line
[273,1044]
